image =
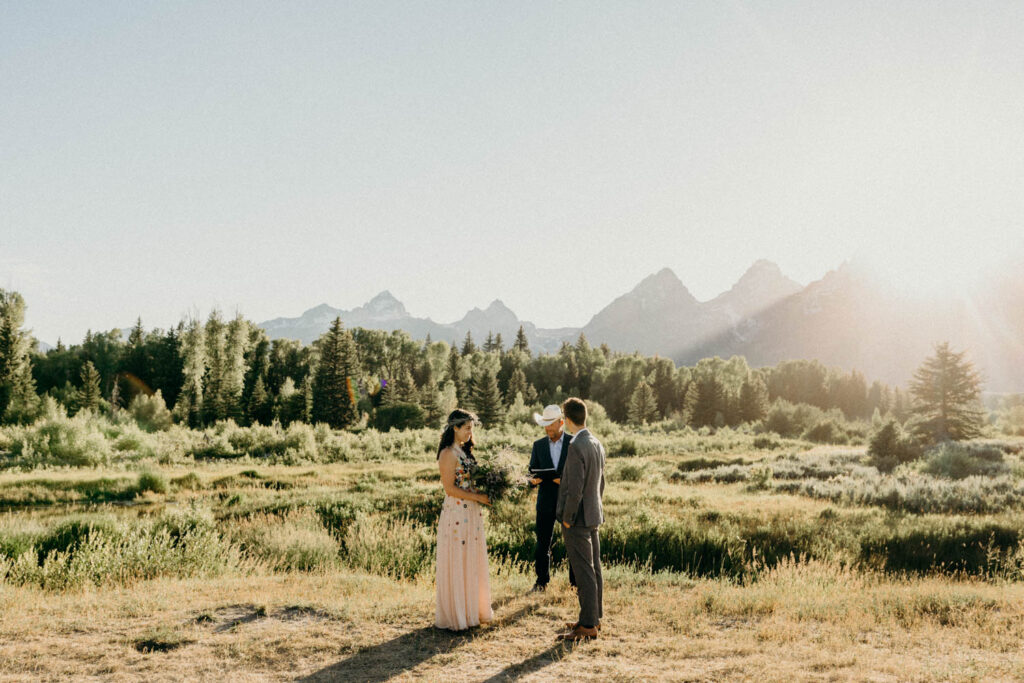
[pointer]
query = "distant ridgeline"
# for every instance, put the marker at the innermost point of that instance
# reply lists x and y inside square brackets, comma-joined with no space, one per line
[220,369]
[846,320]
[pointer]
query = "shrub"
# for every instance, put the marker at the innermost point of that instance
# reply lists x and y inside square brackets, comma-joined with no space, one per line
[124,555]
[959,460]
[150,412]
[399,416]
[62,441]
[190,481]
[71,534]
[889,447]
[826,431]
[694,464]
[630,472]
[396,548]
[791,419]
[626,447]
[296,540]
[760,478]
[152,481]
[972,547]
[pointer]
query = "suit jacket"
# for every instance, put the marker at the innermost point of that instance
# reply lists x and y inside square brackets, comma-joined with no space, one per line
[540,459]
[579,496]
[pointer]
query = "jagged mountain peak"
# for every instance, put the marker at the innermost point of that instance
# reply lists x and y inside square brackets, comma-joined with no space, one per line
[317,310]
[762,281]
[384,305]
[661,288]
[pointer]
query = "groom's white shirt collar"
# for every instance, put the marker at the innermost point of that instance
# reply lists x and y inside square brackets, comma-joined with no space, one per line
[577,434]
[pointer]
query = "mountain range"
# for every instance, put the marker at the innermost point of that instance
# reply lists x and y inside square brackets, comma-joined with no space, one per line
[847,319]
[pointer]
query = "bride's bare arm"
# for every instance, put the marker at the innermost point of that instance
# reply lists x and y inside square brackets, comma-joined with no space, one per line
[447,465]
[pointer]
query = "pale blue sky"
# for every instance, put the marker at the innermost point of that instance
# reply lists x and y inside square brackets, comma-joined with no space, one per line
[158,159]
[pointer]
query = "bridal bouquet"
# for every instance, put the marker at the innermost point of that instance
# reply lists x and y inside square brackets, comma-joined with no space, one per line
[499,476]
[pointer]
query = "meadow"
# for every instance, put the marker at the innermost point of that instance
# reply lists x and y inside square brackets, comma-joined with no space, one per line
[264,553]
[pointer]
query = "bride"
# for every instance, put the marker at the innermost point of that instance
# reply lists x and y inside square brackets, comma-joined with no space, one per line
[463,589]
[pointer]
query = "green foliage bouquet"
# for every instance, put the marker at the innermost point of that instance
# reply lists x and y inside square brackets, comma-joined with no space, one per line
[498,475]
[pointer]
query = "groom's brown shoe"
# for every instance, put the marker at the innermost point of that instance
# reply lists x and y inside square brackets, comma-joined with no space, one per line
[578,633]
[569,627]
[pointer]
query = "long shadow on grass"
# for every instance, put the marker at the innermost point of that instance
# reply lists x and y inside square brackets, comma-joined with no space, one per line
[382,662]
[534,663]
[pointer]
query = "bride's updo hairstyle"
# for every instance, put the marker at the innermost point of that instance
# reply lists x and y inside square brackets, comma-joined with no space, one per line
[457,418]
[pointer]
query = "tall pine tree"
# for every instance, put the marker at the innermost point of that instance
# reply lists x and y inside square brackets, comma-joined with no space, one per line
[946,392]
[192,345]
[468,347]
[18,398]
[215,404]
[521,344]
[89,393]
[753,404]
[486,398]
[334,399]
[643,405]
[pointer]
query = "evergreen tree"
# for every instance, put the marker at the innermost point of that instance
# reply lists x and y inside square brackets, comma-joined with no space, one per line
[236,345]
[499,343]
[455,376]
[168,364]
[136,364]
[489,344]
[946,391]
[753,403]
[665,387]
[257,364]
[486,398]
[468,347]
[260,408]
[307,398]
[215,402]
[643,405]
[587,362]
[89,393]
[189,406]
[18,399]
[428,396]
[517,386]
[520,343]
[709,402]
[105,350]
[334,400]
[400,389]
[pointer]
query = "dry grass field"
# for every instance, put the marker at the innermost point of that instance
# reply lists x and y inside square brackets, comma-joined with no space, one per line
[723,562]
[800,622]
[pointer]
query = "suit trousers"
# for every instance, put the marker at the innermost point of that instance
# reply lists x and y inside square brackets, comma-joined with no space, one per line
[583,545]
[542,555]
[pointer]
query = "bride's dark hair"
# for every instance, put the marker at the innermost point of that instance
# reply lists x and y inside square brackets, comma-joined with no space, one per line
[457,418]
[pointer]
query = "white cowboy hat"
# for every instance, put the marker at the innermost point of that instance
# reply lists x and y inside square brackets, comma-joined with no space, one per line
[552,413]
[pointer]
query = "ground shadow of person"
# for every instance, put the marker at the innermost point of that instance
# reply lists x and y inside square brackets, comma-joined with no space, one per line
[382,662]
[535,663]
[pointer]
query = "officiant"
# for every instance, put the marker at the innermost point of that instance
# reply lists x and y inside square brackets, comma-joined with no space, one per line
[546,464]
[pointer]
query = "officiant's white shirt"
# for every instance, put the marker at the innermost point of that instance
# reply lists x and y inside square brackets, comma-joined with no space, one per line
[556,449]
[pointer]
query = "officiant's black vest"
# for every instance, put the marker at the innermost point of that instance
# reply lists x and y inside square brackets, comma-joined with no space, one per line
[540,459]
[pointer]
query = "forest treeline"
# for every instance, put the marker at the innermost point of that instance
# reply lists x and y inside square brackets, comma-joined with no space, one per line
[200,372]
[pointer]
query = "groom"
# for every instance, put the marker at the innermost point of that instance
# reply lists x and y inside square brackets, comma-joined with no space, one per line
[580,512]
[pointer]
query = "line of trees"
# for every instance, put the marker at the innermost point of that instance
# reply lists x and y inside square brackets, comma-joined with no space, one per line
[221,369]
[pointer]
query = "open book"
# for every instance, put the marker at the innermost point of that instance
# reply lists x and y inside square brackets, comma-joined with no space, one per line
[546,474]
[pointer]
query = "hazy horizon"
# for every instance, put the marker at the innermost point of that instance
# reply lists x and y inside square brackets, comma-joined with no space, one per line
[160,161]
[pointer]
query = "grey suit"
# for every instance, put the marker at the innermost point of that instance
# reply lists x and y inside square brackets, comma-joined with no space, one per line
[579,505]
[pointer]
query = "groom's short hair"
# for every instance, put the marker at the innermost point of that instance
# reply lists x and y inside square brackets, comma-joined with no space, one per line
[576,410]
